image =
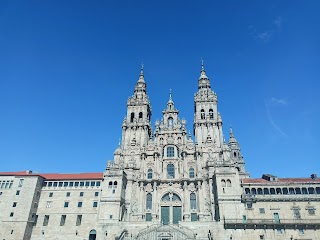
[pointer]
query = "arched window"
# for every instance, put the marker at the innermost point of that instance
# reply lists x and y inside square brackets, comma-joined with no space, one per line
[260,191]
[140,116]
[234,154]
[304,190]
[253,191]
[110,184]
[203,116]
[168,197]
[149,201]
[272,191]
[193,201]
[285,190]
[149,173]
[266,191]
[223,183]
[170,151]
[170,122]
[115,184]
[210,113]
[191,173]
[170,170]
[247,190]
[311,190]
[291,191]
[298,191]
[131,117]
[278,190]
[228,183]
[318,190]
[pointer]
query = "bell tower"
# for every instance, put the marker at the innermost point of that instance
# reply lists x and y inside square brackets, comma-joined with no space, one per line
[136,127]
[207,125]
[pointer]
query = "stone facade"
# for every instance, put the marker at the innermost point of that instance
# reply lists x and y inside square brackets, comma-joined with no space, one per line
[163,185]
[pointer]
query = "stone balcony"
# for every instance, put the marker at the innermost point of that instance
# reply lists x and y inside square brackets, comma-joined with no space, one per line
[272,224]
[280,197]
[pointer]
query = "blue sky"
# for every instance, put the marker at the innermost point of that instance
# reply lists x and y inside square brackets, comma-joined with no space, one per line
[68,67]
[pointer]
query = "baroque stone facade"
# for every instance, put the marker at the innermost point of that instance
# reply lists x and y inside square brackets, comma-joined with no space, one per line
[163,185]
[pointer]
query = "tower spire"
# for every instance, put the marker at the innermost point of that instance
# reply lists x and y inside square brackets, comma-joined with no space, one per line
[141,75]
[170,95]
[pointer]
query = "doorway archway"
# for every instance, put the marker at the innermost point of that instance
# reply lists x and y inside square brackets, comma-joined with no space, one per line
[171,209]
[92,234]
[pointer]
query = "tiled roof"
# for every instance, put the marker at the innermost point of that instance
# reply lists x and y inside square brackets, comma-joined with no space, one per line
[57,176]
[280,180]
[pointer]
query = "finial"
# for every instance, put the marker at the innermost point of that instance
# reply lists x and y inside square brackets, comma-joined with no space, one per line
[231,132]
[141,70]
[119,144]
[202,64]
[170,94]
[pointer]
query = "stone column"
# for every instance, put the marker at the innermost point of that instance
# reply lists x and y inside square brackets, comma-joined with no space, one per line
[186,207]
[142,199]
[211,197]
[155,211]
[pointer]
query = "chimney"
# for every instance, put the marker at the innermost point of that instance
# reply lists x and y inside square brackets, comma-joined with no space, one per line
[314,176]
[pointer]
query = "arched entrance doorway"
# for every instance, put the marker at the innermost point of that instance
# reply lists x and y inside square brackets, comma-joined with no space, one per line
[171,209]
[92,234]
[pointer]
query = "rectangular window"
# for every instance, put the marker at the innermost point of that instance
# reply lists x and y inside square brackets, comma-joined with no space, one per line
[249,205]
[98,184]
[79,204]
[55,184]
[65,184]
[87,184]
[7,185]
[194,217]
[68,194]
[296,213]
[35,219]
[21,182]
[311,210]
[18,192]
[50,184]
[301,231]
[81,184]
[92,184]
[46,220]
[66,204]
[70,184]
[95,204]
[170,151]
[51,194]
[60,184]
[63,220]
[81,194]
[279,231]
[76,184]
[79,219]
[96,194]
[262,210]
[110,216]
[148,217]
[11,214]
[14,204]
[48,204]
[10,185]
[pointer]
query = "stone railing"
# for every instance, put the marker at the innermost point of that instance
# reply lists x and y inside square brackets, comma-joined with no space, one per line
[272,224]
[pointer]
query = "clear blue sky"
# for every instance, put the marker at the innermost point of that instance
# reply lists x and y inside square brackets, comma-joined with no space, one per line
[68,67]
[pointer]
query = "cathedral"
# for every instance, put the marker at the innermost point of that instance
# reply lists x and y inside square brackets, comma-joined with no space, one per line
[163,185]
